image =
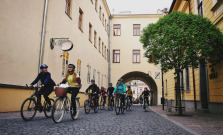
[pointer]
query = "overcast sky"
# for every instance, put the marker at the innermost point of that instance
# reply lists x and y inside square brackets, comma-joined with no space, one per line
[138,6]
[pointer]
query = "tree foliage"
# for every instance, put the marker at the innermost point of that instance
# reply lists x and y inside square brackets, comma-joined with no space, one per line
[181,40]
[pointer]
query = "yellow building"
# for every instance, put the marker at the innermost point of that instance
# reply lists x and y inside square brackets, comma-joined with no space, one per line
[106,47]
[208,79]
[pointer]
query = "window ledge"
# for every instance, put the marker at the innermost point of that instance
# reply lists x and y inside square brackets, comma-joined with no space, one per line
[80,29]
[216,5]
[68,15]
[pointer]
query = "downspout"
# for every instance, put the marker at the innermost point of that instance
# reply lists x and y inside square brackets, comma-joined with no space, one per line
[162,92]
[109,50]
[43,34]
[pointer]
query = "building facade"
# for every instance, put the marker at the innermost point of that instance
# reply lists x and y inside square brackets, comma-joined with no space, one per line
[103,50]
[202,87]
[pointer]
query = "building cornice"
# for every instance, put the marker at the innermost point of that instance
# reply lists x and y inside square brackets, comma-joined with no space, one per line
[137,16]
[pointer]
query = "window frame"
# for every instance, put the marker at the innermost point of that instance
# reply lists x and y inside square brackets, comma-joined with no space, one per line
[200,7]
[116,56]
[65,61]
[136,30]
[116,28]
[103,19]
[99,44]
[89,74]
[90,32]
[102,49]
[96,5]
[95,39]
[100,11]
[80,20]
[136,56]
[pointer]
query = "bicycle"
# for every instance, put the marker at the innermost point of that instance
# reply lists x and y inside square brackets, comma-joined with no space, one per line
[32,104]
[90,104]
[102,103]
[110,102]
[63,105]
[119,105]
[145,105]
[128,104]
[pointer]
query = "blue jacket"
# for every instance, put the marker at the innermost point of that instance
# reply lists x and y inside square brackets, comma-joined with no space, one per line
[121,88]
[45,79]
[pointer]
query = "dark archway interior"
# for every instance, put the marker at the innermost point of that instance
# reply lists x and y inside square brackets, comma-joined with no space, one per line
[136,75]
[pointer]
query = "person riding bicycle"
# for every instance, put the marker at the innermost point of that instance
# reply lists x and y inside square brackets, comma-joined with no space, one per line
[129,91]
[110,91]
[146,94]
[103,94]
[121,90]
[93,90]
[47,85]
[74,83]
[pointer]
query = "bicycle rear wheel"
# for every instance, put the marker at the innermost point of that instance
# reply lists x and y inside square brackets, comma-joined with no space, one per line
[101,104]
[48,108]
[87,106]
[28,109]
[74,117]
[117,108]
[58,110]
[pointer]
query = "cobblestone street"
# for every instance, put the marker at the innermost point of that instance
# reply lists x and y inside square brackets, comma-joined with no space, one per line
[135,122]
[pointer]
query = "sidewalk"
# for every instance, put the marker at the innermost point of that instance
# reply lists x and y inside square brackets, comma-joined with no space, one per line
[202,123]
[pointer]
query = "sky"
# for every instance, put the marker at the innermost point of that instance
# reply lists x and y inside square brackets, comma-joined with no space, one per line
[138,6]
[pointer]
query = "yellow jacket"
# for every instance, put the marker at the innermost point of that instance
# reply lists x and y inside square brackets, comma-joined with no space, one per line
[129,92]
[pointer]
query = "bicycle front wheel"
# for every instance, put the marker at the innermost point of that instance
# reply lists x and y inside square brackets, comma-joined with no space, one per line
[48,108]
[74,117]
[58,110]
[87,106]
[28,109]
[117,108]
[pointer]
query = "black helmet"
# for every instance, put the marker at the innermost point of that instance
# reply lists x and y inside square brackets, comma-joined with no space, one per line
[92,80]
[120,79]
[129,86]
[72,65]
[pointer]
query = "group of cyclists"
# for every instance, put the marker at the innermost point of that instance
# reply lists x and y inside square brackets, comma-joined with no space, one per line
[74,83]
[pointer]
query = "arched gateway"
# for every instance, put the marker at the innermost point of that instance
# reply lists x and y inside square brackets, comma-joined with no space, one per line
[137,75]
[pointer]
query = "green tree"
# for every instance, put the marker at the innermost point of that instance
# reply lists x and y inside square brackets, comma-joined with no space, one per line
[181,40]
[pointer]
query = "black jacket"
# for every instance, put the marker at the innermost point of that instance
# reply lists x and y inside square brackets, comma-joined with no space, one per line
[94,88]
[45,79]
[110,90]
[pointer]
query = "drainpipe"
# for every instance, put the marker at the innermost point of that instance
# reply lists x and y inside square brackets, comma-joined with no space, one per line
[109,50]
[43,34]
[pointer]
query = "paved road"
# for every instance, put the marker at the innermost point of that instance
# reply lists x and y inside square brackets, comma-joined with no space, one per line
[136,122]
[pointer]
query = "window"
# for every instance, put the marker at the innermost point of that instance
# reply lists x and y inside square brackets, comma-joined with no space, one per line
[157,75]
[100,12]
[103,18]
[102,49]
[181,80]
[65,63]
[99,44]
[95,39]
[187,78]
[89,74]
[105,24]
[94,72]
[98,79]
[80,23]
[117,29]
[96,5]
[107,28]
[92,1]
[79,67]
[136,29]
[200,7]
[68,7]
[105,53]
[90,35]
[116,56]
[136,56]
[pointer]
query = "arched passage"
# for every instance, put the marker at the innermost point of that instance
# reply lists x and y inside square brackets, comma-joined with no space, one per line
[136,75]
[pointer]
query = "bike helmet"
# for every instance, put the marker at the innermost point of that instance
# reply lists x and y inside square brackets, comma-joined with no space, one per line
[92,80]
[43,66]
[120,79]
[72,65]
[129,86]
[102,88]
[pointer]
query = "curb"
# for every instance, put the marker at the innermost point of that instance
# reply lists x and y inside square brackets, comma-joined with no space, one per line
[177,123]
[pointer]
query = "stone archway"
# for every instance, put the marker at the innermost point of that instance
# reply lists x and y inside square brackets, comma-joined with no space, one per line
[137,75]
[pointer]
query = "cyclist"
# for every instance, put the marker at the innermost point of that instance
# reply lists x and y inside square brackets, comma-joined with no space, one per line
[145,93]
[103,94]
[129,91]
[121,90]
[47,85]
[93,90]
[74,83]
[110,90]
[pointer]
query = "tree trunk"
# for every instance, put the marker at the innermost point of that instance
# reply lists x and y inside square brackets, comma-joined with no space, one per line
[178,92]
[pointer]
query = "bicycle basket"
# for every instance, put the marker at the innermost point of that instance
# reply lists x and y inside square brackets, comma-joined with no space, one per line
[60,92]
